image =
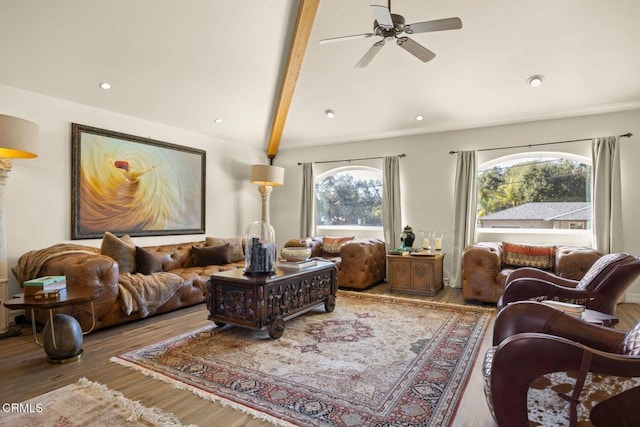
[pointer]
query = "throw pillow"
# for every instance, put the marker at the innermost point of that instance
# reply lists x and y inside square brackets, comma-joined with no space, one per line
[236,252]
[210,255]
[146,262]
[332,245]
[122,250]
[536,256]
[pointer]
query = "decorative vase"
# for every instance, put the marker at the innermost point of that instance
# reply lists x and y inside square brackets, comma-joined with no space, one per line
[408,237]
[259,248]
[295,253]
[65,340]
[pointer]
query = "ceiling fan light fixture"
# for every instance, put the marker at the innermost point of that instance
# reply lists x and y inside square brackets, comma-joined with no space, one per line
[390,26]
[535,81]
[329,113]
[419,117]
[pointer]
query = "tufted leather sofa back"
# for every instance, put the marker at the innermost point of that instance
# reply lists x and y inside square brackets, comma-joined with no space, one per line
[573,262]
[176,255]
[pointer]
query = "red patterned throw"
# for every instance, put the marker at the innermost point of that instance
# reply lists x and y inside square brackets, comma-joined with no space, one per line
[528,255]
[375,360]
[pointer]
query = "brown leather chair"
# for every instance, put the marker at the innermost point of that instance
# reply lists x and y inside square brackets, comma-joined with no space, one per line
[599,289]
[532,339]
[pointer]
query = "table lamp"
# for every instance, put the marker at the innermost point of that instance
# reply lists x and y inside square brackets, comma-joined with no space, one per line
[267,177]
[18,140]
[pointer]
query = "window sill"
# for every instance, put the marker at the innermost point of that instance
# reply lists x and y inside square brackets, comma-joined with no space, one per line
[349,227]
[536,236]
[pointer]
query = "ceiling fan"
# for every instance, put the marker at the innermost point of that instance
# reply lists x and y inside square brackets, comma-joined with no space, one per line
[390,26]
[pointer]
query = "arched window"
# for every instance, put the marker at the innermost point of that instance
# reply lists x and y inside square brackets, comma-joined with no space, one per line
[535,191]
[350,197]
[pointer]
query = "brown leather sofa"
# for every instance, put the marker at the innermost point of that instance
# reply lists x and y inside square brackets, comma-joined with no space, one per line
[84,266]
[484,273]
[361,262]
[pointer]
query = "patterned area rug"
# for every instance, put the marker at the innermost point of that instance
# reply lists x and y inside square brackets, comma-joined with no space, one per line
[84,403]
[373,361]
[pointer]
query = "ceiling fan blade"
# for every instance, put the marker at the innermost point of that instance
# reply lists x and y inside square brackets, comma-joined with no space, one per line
[416,49]
[437,25]
[383,16]
[339,39]
[373,50]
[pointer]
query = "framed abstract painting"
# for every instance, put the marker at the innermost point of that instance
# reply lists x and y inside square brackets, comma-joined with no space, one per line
[131,185]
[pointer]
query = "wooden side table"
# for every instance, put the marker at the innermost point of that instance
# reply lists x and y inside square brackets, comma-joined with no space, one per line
[55,347]
[416,274]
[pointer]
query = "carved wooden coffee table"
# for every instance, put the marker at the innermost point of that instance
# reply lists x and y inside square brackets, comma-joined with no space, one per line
[268,300]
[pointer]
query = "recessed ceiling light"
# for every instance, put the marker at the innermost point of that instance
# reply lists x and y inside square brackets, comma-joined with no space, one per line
[105,85]
[535,81]
[419,117]
[218,120]
[329,113]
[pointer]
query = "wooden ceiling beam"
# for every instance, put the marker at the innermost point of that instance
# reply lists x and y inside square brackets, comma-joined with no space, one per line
[301,33]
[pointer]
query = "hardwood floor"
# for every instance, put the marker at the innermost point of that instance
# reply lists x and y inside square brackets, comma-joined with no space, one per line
[24,373]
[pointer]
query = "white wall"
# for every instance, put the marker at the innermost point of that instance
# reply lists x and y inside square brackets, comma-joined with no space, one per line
[38,191]
[427,173]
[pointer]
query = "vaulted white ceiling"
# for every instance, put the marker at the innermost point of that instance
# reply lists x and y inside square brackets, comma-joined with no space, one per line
[185,64]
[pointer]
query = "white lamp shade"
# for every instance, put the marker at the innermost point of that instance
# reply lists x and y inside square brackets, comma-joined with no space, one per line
[18,138]
[267,175]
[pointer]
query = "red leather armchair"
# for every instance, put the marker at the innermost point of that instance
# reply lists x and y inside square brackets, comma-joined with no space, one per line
[599,289]
[532,340]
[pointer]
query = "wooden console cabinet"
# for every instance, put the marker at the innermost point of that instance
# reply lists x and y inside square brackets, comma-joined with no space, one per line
[416,274]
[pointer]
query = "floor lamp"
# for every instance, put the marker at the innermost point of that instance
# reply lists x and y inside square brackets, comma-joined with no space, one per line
[18,140]
[267,177]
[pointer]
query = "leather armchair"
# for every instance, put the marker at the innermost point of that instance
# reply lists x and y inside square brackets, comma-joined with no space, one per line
[361,262]
[532,339]
[599,289]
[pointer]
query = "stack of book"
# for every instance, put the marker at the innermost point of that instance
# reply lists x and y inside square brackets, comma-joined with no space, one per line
[297,265]
[573,309]
[44,286]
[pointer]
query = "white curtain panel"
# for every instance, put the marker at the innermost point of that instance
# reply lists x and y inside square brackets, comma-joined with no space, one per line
[607,196]
[464,219]
[391,211]
[308,210]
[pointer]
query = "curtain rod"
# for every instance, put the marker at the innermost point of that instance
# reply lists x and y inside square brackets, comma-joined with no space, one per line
[626,135]
[352,160]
